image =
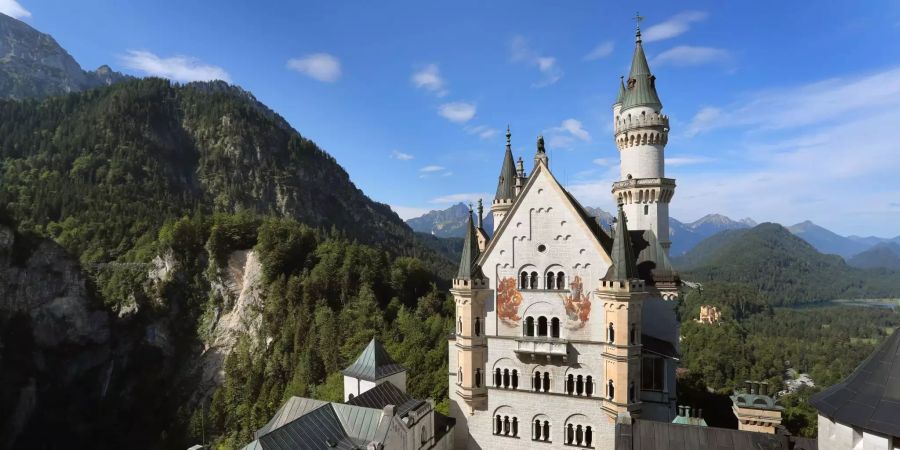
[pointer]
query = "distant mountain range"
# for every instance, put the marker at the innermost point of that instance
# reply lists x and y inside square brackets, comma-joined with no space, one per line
[783,266]
[35,66]
[882,254]
[685,236]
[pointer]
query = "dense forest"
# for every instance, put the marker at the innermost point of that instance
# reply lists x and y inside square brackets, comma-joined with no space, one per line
[755,341]
[783,267]
[130,201]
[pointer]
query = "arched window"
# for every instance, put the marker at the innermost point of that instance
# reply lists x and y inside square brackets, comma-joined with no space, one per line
[523,280]
[570,434]
[460,375]
[478,378]
[610,390]
[529,326]
[515,379]
[546,430]
[546,381]
[506,425]
[497,378]
[560,281]
[631,334]
[534,280]
[424,437]
[506,378]
[579,435]
[570,384]
[551,280]
[477,326]
[612,333]
[515,426]
[588,436]
[589,386]
[459,325]
[536,383]
[646,209]
[537,430]
[554,327]
[579,385]
[542,326]
[498,428]
[632,394]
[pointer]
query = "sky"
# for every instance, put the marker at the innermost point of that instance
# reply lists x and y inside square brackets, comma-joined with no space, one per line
[780,111]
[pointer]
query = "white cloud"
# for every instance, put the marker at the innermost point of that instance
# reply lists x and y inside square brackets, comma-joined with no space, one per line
[567,134]
[676,25]
[432,168]
[704,119]
[13,9]
[456,198]
[397,154]
[319,66]
[483,131]
[177,68]
[602,161]
[458,112]
[686,55]
[408,212]
[429,78]
[521,52]
[602,50]
[687,161]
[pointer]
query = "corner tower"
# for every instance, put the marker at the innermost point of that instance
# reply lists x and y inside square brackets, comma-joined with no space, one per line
[641,134]
[508,185]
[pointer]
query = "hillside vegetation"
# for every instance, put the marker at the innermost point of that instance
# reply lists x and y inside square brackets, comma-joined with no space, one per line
[783,267]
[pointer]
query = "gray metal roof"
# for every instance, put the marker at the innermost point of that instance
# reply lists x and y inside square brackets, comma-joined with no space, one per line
[373,364]
[289,411]
[652,261]
[620,97]
[321,428]
[359,422]
[870,397]
[641,89]
[506,185]
[467,267]
[650,435]
[380,396]
[622,254]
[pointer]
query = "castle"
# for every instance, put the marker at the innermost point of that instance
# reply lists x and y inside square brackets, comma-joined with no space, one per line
[562,328]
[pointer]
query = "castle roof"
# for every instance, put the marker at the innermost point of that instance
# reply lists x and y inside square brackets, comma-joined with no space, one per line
[620,97]
[651,435]
[467,267]
[870,397]
[373,364]
[641,90]
[385,394]
[622,254]
[506,185]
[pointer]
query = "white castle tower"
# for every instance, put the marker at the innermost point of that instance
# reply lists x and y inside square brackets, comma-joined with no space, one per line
[641,133]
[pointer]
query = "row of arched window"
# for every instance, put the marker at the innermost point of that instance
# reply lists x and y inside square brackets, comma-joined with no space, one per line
[580,385]
[579,435]
[506,379]
[542,327]
[552,280]
[611,334]
[506,426]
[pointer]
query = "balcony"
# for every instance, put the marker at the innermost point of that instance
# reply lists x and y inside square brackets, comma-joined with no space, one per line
[541,346]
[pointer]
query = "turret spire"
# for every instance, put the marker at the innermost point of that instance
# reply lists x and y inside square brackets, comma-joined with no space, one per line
[620,97]
[506,185]
[467,267]
[641,88]
[623,261]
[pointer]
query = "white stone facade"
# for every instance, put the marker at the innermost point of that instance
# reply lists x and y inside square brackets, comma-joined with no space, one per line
[355,386]
[837,436]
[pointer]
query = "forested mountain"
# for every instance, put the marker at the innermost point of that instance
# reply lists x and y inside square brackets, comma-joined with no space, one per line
[35,66]
[686,235]
[885,254]
[827,241]
[784,267]
[162,226]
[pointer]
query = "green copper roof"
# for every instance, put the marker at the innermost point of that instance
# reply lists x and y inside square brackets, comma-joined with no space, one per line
[506,186]
[620,97]
[374,363]
[622,254]
[467,266]
[641,90]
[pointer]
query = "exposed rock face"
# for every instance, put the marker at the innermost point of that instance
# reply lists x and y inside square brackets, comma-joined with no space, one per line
[33,65]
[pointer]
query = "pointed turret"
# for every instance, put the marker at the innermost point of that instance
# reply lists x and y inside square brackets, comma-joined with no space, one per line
[620,97]
[506,186]
[641,89]
[467,267]
[622,254]
[541,154]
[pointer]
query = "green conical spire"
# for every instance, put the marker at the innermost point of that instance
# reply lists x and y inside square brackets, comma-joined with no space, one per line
[506,186]
[467,266]
[621,96]
[624,267]
[641,89]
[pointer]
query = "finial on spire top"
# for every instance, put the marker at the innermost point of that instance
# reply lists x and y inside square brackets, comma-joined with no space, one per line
[508,134]
[540,144]
[480,213]
[638,18]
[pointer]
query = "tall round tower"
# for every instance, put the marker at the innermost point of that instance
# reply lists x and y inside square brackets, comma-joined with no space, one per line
[641,133]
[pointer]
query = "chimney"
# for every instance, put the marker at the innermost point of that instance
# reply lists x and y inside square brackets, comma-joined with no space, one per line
[389,410]
[764,388]
[681,411]
[700,412]
[688,411]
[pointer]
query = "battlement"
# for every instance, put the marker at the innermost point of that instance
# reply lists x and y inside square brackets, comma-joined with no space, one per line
[629,122]
[474,283]
[622,286]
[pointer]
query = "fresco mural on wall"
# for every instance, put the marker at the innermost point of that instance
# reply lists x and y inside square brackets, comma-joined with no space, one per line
[577,303]
[508,301]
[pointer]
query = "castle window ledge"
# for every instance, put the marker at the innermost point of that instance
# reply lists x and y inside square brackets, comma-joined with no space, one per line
[542,346]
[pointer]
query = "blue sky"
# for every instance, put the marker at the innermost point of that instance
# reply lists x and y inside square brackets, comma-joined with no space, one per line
[780,111]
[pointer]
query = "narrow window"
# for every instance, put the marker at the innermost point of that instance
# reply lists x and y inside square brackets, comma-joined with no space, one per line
[554,327]
[499,425]
[588,436]
[579,385]
[610,390]
[551,280]
[612,333]
[478,378]
[523,281]
[534,280]
[589,386]
[536,383]
[579,435]
[570,434]
[506,378]
[459,325]
[477,326]
[560,281]
[542,326]
[506,425]
[515,379]
[546,430]
[515,426]
[529,326]
[570,384]
[497,377]
[646,209]
[631,334]
[546,381]
[537,430]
